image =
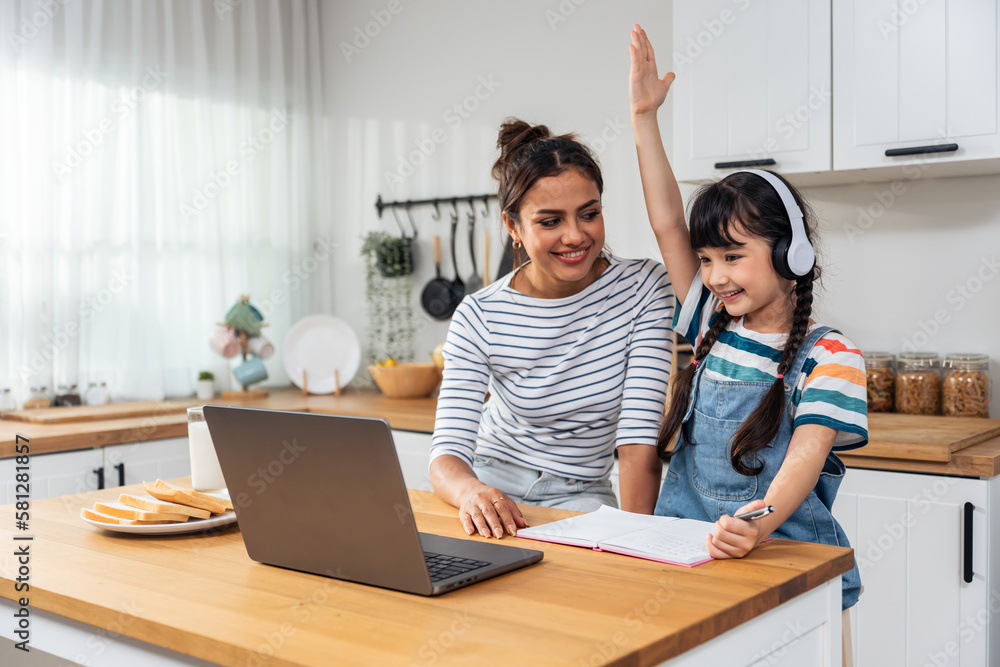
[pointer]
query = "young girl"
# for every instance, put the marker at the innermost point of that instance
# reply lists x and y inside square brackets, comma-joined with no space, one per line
[770,393]
[567,346]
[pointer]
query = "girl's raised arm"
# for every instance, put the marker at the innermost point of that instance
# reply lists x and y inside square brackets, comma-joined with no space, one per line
[663,197]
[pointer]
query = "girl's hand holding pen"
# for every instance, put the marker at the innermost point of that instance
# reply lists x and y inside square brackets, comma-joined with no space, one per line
[647,90]
[734,538]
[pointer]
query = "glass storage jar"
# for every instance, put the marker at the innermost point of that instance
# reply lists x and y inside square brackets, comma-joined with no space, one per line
[918,383]
[38,397]
[97,394]
[880,381]
[7,401]
[67,395]
[965,389]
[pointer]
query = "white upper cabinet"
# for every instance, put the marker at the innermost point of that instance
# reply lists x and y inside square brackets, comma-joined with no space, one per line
[916,78]
[753,86]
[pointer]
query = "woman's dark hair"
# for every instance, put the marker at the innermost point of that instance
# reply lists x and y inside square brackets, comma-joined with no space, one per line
[748,204]
[529,153]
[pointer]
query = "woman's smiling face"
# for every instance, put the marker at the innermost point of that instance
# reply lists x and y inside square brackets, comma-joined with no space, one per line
[562,229]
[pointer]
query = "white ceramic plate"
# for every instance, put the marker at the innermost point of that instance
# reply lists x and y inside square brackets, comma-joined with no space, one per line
[189,526]
[321,345]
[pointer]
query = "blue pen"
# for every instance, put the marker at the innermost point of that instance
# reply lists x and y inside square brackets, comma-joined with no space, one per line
[756,514]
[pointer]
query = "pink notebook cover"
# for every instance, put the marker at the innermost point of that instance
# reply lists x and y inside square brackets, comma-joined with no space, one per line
[624,553]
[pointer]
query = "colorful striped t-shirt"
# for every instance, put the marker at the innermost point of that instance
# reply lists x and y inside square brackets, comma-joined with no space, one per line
[830,391]
[569,379]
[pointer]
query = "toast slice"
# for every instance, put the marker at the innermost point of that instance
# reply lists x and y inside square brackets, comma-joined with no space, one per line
[164,491]
[93,515]
[123,511]
[151,504]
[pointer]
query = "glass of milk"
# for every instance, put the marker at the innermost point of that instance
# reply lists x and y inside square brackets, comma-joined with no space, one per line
[206,474]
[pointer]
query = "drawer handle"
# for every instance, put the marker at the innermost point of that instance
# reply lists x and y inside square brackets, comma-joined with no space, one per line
[768,162]
[100,478]
[121,474]
[967,556]
[921,150]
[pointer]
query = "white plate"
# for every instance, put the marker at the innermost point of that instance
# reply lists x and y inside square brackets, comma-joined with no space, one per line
[321,345]
[189,526]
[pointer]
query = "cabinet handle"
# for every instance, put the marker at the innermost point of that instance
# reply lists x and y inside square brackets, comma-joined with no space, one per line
[100,478]
[920,150]
[768,162]
[967,556]
[121,474]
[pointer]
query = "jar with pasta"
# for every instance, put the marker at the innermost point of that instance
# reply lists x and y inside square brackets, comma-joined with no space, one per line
[880,381]
[918,384]
[965,389]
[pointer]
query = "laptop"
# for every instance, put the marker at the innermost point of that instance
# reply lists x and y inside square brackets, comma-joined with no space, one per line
[325,494]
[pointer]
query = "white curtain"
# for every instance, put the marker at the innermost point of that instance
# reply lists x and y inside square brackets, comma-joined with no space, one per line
[160,159]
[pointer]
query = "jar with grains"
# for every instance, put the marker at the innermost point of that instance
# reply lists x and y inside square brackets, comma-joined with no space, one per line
[966,386]
[918,384]
[880,382]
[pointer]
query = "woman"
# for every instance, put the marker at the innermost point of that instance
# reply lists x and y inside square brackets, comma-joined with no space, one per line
[570,347]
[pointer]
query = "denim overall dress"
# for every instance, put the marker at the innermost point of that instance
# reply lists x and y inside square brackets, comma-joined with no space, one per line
[702,484]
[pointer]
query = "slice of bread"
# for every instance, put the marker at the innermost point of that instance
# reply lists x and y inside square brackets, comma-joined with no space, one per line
[164,491]
[93,515]
[123,511]
[151,504]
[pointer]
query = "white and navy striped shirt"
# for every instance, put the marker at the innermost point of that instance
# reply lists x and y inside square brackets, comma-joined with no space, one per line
[569,379]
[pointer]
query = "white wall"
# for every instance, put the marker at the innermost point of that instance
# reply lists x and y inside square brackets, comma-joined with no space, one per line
[891,280]
[560,63]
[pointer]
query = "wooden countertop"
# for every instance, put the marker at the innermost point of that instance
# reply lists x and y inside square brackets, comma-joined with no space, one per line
[980,460]
[201,594]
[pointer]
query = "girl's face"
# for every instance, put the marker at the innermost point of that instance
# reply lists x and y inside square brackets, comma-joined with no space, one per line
[562,230]
[744,279]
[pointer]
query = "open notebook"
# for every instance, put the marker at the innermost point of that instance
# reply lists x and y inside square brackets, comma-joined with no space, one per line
[660,538]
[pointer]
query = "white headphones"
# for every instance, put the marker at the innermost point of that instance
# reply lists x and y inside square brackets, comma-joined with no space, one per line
[793,257]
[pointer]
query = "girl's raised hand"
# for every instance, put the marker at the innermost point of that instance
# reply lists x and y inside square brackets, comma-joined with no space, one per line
[647,90]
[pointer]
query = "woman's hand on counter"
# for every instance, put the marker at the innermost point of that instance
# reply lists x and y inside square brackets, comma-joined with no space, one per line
[489,511]
[481,508]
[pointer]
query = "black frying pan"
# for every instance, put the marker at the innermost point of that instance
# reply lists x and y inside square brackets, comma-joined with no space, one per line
[441,297]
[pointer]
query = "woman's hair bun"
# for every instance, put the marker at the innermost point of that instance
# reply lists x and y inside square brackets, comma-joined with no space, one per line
[516,135]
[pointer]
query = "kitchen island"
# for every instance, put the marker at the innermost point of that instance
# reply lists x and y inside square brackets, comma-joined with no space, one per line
[107,598]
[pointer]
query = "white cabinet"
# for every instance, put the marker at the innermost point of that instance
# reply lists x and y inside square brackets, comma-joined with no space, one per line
[414,451]
[146,461]
[78,471]
[910,540]
[916,75]
[752,88]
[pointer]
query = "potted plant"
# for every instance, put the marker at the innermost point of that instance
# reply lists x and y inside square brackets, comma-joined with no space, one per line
[388,296]
[206,385]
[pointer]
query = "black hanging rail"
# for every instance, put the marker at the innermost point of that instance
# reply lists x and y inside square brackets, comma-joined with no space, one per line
[435,202]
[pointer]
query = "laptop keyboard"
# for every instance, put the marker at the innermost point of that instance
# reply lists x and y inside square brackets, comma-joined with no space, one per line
[442,566]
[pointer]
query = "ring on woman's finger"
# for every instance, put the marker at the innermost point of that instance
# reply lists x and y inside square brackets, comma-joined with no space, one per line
[499,500]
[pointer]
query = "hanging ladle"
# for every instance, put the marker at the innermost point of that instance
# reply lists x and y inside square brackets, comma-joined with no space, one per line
[474,282]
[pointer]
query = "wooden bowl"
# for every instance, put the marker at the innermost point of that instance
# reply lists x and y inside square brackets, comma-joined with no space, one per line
[407,380]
